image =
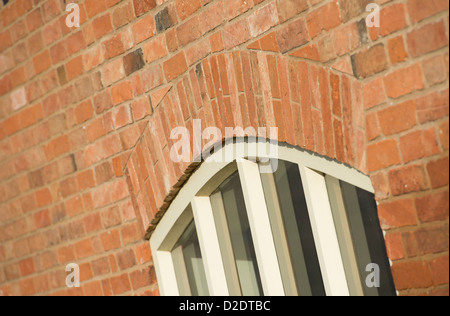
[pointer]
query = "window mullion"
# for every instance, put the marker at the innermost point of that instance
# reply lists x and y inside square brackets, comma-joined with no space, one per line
[209,245]
[165,271]
[259,221]
[344,236]
[324,232]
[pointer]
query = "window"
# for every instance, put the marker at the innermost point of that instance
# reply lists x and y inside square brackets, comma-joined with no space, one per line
[309,228]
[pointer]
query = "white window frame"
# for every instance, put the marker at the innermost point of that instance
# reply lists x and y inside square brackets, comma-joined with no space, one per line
[209,176]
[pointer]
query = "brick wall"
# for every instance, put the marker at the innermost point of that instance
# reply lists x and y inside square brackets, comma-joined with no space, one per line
[86,114]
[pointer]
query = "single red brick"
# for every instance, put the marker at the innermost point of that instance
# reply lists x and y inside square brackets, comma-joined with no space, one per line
[397,50]
[292,35]
[439,270]
[34,20]
[113,72]
[144,29]
[212,17]
[434,69]
[43,197]
[408,179]
[120,284]
[426,39]
[95,129]
[93,288]
[398,118]
[51,9]
[409,275]
[370,61]
[110,240]
[155,49]
[126,259]
[102,25]
[140,279]
[419,144]
[94,7]
[397,214]
[42,62]
[189,31]
[84,112]
[175,66]
[75,43]
[27,267]
[433,106]
[101,266]
[131,233]
[84,248]
[438,171]
[142,6]
[433,207]
[122,15]
[113,47]
[419,10]
[403,81]
[74,68]
[290,8]
[42,219]
[122,92]
[186,8]
[432,239]
[374,93]
[143,253]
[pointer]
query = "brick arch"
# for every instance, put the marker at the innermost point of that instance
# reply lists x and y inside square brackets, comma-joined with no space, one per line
[352,101]
[314,108]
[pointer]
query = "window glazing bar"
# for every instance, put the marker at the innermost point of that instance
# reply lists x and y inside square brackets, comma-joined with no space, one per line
[209,245]
[324,232]
[259,221]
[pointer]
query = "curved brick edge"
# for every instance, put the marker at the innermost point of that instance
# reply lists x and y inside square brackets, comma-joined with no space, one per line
[256,88]
[243,89]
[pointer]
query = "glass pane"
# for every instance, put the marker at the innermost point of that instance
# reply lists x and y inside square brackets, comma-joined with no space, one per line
[239,235]
[367,238]
[188,264]
[292,231]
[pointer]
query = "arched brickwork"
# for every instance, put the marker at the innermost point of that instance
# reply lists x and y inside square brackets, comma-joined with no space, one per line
[314,108]
[86,114]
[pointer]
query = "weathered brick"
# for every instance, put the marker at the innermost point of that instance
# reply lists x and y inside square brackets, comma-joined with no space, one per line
[133,61]
[370,62]
[408,179]
[163,20]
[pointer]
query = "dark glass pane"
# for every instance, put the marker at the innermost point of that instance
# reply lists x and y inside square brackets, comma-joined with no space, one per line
[286,195]
[376,242]
[368,239]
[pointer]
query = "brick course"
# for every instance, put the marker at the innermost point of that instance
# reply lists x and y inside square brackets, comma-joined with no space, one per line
[86,114]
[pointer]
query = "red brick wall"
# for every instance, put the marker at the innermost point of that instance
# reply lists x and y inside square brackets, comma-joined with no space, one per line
[86,113]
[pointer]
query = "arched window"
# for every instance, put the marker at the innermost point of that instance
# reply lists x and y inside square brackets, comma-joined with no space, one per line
[310,227]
